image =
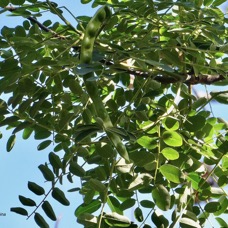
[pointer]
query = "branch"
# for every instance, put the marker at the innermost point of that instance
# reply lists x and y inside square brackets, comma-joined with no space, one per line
[169,77]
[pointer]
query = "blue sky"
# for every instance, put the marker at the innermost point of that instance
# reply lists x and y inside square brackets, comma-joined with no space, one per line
[20,165]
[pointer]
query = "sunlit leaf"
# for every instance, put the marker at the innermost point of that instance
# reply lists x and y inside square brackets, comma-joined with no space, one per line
[172,138]
[88,208]
[172,173]
[187,223]
[116,220]
[170,153]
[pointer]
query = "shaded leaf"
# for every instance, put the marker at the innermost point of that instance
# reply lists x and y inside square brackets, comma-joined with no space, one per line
[195,123]
[138,214]
[10,143]
[212,207]
[161,197]
[55,161]
[35,188]
[40,221]
[19,210]
[47,173]
[97,185]
[27,201]
[59,195]
[49,210]
[159,220]
[76,169]
[44,145]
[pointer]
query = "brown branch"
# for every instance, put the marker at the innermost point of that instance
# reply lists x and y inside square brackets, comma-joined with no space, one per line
[168,77]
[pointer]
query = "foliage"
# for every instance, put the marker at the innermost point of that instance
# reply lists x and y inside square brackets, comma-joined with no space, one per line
[123,114]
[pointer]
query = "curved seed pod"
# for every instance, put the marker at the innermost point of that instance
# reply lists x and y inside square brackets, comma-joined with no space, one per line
[93,29]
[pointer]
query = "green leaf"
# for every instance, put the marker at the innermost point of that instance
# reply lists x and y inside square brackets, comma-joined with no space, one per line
[59,195]
[9,121]
[140,180]
[105,150]
[138,214]
[17,2]
[221,97]
[10,143]
[27,201]
[97,185]
[147,142]
[195,123]
[87,220]
[47,173]
[221,222]
[19,210]
[114,204]
[42,134]
[44,145]
[21,126]
[212,207]
[159,220]
[142,158]
[128,203]
[161,197]
[170,153]
[88,208]
[83,134]
[55,161]
[172,138]
[27,132]
[4,3]
[49,210]
[85,1]
[170,124]
[76,169]
[116,220]
[171,173]
[224,205]
[218,2]
[40,221]
[188,223]
[147,204]
[35,188]
[207,2]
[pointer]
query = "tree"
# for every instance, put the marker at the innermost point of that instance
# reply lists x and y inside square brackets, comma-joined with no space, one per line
[114,94]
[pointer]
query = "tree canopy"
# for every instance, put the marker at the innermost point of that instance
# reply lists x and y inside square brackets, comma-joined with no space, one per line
[114,94]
